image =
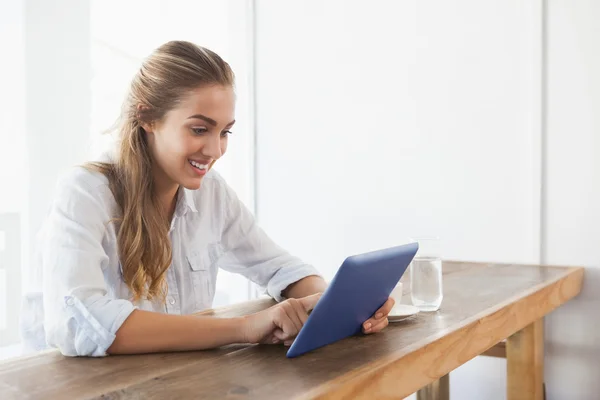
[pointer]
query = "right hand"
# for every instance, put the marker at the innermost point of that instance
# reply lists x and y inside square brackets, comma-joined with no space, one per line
[280,323]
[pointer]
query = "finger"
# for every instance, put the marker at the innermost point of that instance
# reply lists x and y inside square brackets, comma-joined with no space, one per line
[271,339]
[371,322]
[280,335]
[292,308]
[285,324]
[377,327]
[300,312]
[309,302]
[380,314]
[385,309]
[288,343]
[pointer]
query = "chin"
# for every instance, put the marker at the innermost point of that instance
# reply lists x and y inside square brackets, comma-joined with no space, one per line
[192,184]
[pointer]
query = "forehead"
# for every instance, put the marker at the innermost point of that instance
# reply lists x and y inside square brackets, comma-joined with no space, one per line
[215,101]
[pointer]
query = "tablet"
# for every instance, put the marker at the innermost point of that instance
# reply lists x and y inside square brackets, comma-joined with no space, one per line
[359,288]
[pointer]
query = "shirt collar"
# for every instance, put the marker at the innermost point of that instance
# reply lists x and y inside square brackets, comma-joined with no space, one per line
[185,202]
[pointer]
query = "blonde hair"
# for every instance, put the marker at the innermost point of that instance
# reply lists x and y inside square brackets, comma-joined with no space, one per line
[164,78]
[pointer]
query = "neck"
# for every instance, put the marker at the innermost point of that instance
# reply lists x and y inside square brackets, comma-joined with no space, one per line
[168,200]
[166,192]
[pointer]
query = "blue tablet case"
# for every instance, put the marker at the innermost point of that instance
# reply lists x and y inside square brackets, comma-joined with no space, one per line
[359,288]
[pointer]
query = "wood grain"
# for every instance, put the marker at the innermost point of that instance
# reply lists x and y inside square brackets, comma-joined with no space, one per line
[525,363]
[483,304]
[472,321]
[53,376]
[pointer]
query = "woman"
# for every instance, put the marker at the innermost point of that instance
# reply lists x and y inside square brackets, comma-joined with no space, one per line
[132,245]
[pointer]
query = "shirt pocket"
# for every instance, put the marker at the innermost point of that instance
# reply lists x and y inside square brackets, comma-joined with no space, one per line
[203,269]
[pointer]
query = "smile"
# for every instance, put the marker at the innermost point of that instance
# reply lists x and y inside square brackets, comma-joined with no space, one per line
[199,166]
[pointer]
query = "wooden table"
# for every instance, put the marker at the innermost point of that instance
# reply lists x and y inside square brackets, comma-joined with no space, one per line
[483,304]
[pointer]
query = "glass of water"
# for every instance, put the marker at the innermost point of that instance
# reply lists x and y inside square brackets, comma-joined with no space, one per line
[426,275]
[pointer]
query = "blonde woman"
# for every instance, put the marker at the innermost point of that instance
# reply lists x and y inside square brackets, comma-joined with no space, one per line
[132,245]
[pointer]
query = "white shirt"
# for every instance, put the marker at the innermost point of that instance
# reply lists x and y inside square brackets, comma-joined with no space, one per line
[78,299]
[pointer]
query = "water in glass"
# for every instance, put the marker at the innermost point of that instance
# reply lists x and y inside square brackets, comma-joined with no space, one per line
[426,277]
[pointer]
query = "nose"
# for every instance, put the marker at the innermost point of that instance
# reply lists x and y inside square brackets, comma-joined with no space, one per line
[212,147]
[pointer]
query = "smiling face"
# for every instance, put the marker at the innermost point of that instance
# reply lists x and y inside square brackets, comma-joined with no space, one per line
[191,137]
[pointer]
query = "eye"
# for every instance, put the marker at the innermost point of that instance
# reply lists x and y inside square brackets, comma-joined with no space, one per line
[226,133]
[199,131]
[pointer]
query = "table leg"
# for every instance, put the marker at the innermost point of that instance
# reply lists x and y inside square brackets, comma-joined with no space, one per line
[438,390]
[525,363]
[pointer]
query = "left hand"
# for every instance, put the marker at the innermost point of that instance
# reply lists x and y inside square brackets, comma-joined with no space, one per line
[380,320]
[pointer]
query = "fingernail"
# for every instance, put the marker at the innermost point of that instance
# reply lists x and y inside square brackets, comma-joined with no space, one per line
[378,315]
[368,326]
[275,340]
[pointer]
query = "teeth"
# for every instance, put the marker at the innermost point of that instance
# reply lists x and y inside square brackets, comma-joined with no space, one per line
[199,166]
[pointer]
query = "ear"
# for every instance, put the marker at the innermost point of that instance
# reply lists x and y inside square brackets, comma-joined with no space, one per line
[142,109]
[147,127]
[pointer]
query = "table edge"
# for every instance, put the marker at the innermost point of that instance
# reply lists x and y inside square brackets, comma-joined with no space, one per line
[379,367]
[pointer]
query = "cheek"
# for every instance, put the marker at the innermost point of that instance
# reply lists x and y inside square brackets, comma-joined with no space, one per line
[170,153]
[224,146]
[173,145]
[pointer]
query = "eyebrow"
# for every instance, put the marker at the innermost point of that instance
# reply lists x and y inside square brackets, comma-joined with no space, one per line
[209,120]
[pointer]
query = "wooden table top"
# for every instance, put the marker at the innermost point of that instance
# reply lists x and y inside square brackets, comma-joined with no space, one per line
[483,304]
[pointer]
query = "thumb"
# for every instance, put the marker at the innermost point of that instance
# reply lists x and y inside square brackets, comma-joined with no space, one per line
[309,302]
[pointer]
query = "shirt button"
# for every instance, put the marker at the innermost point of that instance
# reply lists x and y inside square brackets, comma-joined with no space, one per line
[171,300]
[70,301]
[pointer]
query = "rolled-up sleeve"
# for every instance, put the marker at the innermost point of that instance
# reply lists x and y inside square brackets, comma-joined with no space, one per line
[81,318]
[249,251]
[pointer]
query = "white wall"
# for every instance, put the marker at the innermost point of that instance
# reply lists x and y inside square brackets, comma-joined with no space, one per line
[377,123]
[58,73]
[12,151]
[12,104]
[405,118]
[572,210]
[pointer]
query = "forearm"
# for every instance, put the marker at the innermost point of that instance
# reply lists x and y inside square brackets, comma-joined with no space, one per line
[305,287]
[149,332]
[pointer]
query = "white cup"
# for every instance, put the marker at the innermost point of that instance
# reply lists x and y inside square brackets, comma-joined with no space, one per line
[397,293]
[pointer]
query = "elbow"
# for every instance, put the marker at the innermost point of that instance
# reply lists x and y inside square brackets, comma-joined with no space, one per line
[75,330]
[72,341]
